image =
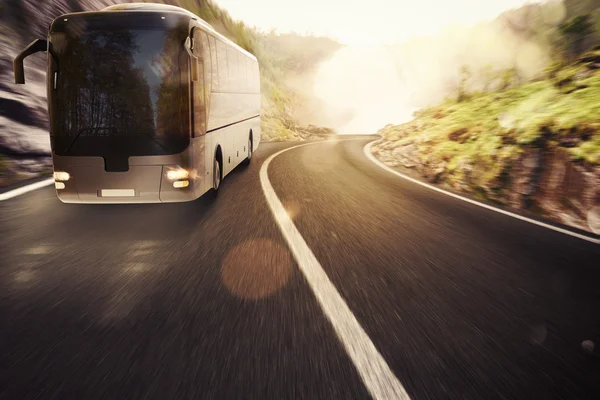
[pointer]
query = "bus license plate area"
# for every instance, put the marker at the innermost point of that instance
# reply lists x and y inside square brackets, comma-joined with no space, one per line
[117,193]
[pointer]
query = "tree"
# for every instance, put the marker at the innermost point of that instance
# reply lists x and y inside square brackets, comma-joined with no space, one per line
[488,76]
[465,76]
[507,78]
[574,32]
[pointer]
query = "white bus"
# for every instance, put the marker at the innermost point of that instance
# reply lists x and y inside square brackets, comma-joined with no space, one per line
[147,104]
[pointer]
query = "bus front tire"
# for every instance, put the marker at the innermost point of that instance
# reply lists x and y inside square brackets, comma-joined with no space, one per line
[217,175]
[249,155]
[216,182]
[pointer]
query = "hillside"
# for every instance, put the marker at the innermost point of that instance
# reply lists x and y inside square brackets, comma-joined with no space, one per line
[533,147]
[297,58]
[513,118]
[518,43]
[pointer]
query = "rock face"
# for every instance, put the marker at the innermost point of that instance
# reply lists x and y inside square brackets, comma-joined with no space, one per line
[24,136]
[23,115]
[23,108]
[13,170]
[525,176]
[544,181]
[406,155]
[565,191]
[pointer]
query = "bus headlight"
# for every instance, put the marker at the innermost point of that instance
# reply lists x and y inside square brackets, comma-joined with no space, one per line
[61,176]
[181,184]
[176,174]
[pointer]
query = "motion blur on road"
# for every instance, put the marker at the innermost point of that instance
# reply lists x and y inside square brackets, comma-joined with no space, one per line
[420,220]
[205,299]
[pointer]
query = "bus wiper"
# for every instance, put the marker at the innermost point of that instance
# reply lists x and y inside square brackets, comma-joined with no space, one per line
[79,133]
[76,137]
[157,142]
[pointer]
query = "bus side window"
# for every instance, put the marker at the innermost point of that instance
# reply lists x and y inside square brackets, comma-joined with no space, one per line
[199,96]
[207,68]
[256,73]
[249,75]
[234,73]
[254,79]
[214,65]
[222,61]
[244,72]
[257,77]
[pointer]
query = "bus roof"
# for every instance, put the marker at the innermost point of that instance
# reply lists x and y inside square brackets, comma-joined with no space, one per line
[170,9]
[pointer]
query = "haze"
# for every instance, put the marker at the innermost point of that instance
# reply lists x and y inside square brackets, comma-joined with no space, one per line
[372,80]
[360,22]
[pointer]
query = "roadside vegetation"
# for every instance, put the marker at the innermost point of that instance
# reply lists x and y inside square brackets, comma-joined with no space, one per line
[532,145]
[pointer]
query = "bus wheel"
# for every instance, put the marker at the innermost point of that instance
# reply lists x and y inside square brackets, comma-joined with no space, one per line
[216,175]
[249,156]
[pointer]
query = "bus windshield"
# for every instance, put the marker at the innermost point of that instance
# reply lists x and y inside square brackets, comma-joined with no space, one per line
[119,92]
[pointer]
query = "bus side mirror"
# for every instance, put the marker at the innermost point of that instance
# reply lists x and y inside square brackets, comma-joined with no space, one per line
[189,46]
[34,47]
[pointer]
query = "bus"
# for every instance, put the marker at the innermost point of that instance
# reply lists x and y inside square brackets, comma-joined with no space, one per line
[147,104]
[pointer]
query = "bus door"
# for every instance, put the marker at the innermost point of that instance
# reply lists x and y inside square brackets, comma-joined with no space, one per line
[204,85]
[199,113]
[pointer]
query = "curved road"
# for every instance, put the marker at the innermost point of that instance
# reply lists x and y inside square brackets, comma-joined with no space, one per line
[204,300]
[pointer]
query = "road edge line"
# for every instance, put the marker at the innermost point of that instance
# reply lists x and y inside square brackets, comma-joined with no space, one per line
[375,373]
[370,156]
[26,189]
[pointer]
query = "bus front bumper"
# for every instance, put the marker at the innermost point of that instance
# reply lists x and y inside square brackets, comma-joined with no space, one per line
[140,184]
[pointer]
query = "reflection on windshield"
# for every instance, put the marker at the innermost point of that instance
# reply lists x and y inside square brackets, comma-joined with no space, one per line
[120,92]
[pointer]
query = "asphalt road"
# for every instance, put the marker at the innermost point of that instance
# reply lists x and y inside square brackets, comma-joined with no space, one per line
[204,300]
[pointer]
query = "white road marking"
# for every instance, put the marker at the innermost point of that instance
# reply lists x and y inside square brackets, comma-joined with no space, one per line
[376,375]
[38,250]
[370,156]
[135,267]
[142,252]
[22,190]
[145,244]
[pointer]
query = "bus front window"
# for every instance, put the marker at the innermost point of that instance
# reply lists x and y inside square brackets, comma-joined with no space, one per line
[119,93]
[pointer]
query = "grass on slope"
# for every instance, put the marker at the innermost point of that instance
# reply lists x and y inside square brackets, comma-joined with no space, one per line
[489,131]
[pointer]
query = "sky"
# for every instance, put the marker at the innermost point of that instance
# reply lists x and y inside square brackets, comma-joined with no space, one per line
[365,22]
